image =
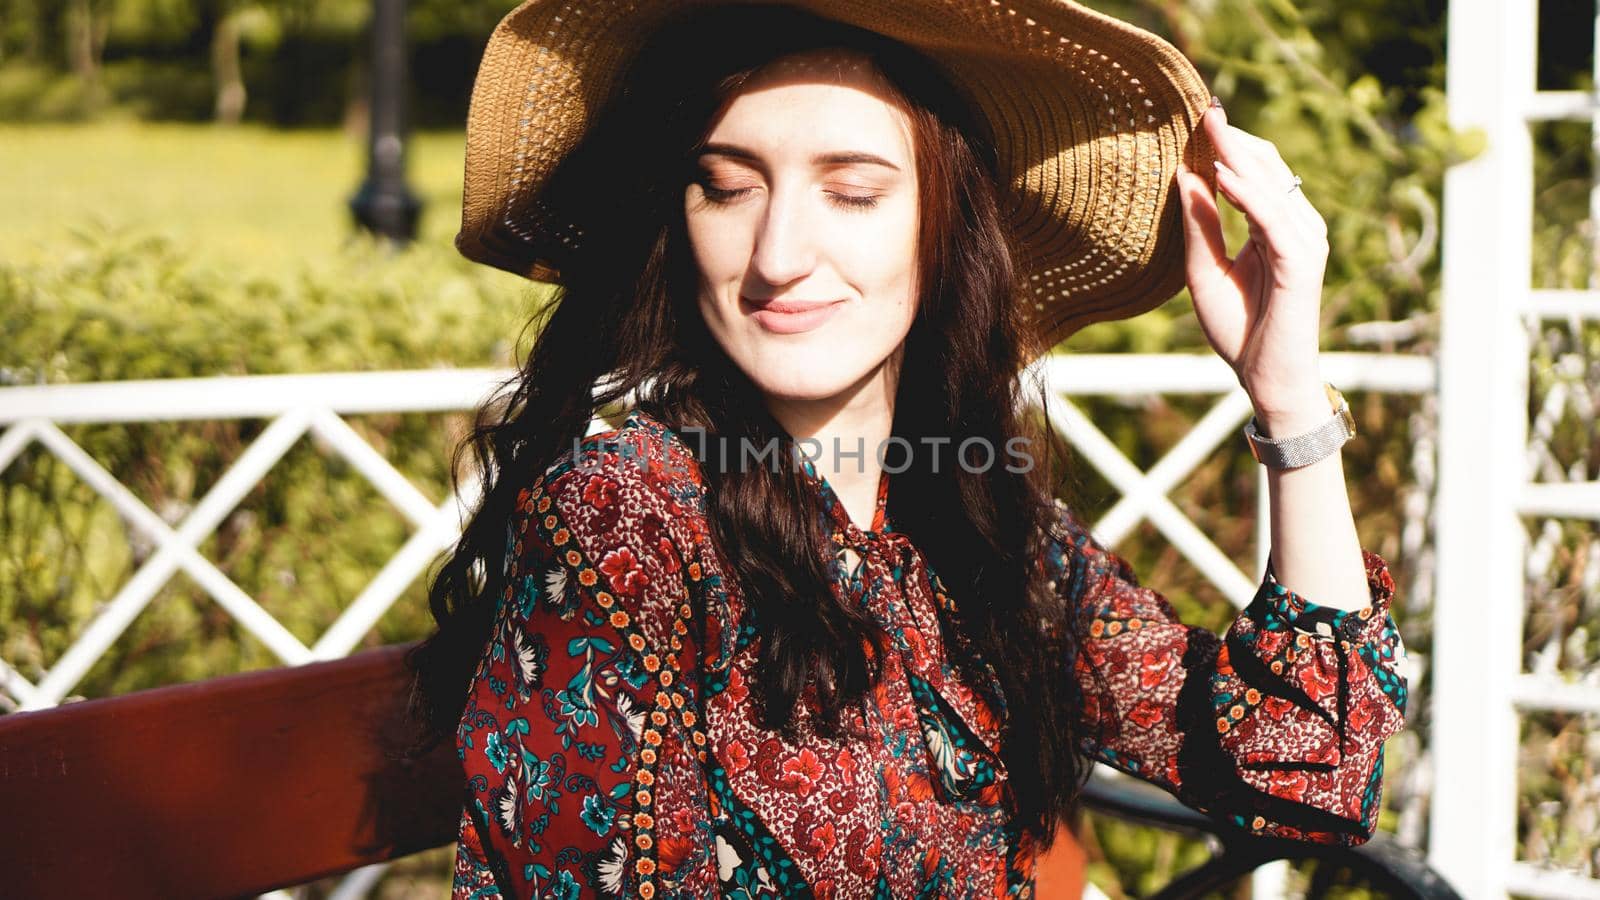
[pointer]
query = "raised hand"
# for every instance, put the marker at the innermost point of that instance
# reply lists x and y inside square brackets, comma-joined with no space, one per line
[1259,309]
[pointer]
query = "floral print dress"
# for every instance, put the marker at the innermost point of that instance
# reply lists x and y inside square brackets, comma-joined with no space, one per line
[610,745]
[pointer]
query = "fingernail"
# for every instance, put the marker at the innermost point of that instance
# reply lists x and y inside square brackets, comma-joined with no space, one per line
[1216,101]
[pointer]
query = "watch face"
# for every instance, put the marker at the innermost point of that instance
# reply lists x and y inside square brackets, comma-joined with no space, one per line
[1341,408]
[1348,420]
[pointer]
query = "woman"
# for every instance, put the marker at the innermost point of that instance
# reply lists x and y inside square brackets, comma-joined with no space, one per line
[675,663]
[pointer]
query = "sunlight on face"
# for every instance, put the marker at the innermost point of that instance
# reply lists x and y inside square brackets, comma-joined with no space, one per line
[803,222]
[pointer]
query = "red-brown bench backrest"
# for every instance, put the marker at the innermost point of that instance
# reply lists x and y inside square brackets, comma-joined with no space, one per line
[228,787]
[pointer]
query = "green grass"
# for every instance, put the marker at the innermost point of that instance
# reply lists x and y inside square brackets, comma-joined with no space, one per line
[252,200]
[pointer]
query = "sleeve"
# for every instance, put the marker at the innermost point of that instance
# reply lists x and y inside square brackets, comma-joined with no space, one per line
[1277,727]
[576,705]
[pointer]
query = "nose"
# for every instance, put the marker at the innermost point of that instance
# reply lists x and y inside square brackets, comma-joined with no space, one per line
[784,249]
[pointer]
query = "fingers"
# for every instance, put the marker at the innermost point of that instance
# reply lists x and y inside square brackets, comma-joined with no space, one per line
[1254,177]
[1240,150]
[1244,171]
[1221,303]
[1205,248]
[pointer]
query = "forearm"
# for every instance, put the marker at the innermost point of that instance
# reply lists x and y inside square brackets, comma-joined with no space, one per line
[1315,549]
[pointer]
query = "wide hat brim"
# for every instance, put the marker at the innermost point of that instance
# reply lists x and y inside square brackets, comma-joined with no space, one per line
[1090,115]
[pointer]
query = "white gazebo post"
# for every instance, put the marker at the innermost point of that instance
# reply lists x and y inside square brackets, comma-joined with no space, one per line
[1483,365]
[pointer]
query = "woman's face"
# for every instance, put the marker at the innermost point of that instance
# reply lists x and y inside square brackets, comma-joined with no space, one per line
[803,223]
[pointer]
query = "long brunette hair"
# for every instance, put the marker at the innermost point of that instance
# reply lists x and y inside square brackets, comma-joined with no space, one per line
[626,320]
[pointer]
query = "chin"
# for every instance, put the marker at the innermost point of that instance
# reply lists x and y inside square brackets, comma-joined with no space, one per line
[810,377]
[806,386]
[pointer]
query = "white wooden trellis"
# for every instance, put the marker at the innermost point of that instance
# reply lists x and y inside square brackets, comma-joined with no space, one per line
[301,404]
[1489,310]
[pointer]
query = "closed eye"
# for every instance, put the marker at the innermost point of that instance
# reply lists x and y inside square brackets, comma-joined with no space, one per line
[852,201]
[723,196]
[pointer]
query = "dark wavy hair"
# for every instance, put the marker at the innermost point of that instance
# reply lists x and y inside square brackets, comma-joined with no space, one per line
[626,323]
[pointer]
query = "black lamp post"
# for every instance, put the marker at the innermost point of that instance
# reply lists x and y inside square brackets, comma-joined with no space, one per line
[384,204]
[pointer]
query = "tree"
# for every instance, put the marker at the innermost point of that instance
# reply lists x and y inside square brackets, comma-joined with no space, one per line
[226,71]
[88,22]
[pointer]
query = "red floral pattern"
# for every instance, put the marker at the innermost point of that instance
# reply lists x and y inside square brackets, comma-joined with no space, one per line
[610,745]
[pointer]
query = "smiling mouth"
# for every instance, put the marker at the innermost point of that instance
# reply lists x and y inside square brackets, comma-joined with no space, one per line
[786,306]
[791,316]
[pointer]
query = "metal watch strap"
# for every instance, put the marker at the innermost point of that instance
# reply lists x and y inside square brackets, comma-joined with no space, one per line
[1303,449]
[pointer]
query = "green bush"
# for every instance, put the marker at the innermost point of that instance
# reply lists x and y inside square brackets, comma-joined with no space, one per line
[34,93]
[305,541]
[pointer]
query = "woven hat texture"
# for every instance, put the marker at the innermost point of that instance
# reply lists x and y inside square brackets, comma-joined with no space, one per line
[1090,117]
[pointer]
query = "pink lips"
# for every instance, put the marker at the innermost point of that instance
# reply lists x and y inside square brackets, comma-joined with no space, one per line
[791,316]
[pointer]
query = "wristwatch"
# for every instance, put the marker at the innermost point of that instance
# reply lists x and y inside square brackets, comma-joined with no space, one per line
[1304,449]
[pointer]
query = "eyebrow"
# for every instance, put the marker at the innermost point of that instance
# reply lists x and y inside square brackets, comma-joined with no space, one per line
[840,158]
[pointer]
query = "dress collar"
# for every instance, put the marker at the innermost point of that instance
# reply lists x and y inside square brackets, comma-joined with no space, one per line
[839,517]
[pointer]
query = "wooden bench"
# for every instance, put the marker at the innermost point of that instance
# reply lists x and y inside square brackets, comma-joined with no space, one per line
[240,785]
[229,787]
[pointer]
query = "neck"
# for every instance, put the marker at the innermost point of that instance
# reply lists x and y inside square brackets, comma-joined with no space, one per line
[844,433]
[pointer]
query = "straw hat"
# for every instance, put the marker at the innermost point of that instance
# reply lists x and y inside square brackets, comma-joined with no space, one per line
[1090,116]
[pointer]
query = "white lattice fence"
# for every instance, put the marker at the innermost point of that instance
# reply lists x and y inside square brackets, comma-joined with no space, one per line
[1519,499]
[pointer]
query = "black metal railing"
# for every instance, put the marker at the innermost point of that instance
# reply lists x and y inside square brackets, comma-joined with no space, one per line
[1380,865]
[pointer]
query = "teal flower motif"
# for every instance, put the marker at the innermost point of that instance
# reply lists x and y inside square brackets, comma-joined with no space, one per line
[527,595]
[630,668]
[538,775]
[597,815]
[565,887]
[575,708]
[497,751]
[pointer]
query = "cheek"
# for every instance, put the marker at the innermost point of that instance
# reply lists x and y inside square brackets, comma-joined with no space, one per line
[720,246]
[881,258]
[714,244]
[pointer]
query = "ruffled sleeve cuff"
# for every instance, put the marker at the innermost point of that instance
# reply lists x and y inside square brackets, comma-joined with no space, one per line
[1327,622]
[1303,697]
